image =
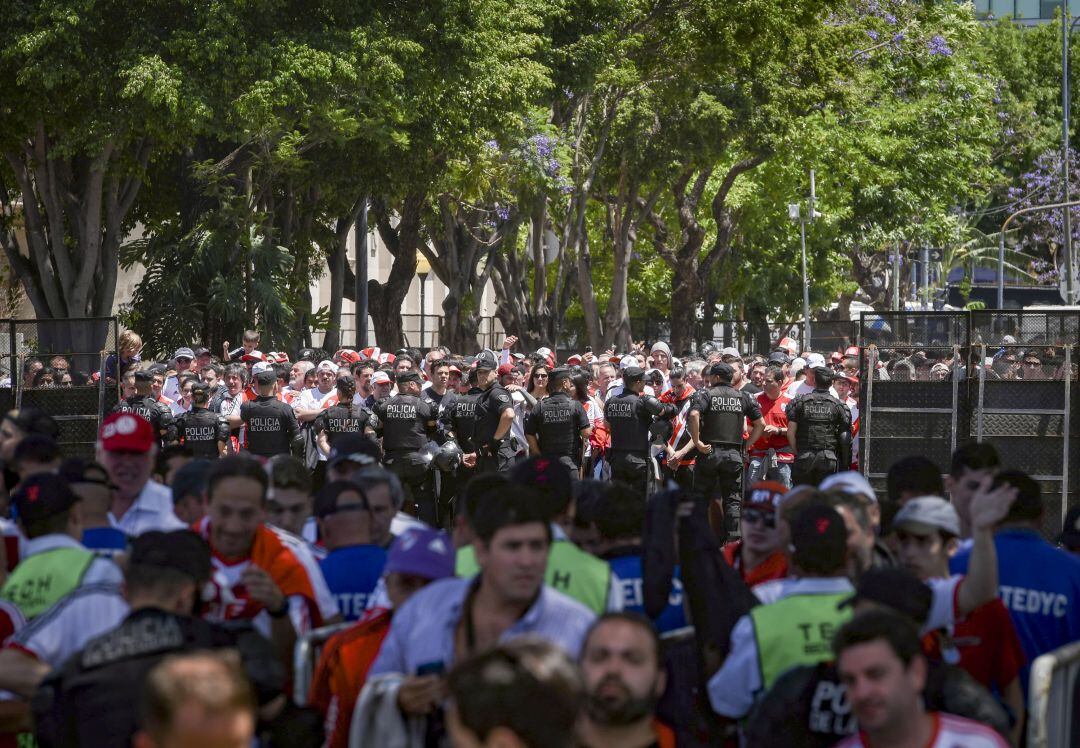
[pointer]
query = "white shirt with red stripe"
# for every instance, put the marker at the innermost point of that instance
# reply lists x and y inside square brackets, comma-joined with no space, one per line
[949,731]
[279,552]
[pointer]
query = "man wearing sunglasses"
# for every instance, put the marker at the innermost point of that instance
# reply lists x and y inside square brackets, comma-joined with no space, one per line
[353,564]
[758,556]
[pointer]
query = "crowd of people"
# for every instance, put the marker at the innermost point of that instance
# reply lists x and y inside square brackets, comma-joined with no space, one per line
[427,549]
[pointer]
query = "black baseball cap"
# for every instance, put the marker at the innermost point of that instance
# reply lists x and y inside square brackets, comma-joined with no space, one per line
[42,496]
[408,376]
[818,537]
[778,357]
[822,375]
[144,375]
[268,376]
[895,588]
[326,499]
[353,448]
[722,370]
[78,470]
[632,374]
[179,550]
[486,361]
[200,351]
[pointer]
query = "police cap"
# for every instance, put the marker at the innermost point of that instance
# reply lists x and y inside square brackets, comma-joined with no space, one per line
[144,375]
[266,377]
[486,361]
[632,374]
[559,374]
[823,376]
[408,376]
[724,371]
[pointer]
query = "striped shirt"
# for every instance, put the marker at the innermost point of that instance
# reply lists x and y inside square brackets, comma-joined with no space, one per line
[66,627]
[950,731]
[422,632]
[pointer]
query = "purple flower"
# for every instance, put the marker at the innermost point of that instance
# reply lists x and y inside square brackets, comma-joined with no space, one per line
[938,46]
[542,145]
[492,145]
[1009,132]
[890,19]
[872,34]
[897,38]
[502,211]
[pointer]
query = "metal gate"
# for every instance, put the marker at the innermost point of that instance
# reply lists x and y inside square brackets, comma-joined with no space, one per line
[1007,378]
[64,386]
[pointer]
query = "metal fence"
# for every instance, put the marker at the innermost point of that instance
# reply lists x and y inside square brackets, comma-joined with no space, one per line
[49,364]
[934,380]
[1054,714]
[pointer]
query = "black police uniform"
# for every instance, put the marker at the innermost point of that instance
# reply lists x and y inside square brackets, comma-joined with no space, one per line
[629,417]
[94,698]
[158,414]
[429,395]
[718,475]
[493,455]
[458,417]
[823,426]
[269,426]
[201,431]
[341,419]
[406,424]
[557,422]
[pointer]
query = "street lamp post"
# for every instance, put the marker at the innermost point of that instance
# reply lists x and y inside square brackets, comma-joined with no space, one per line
[795,214]
[423,267]
[1070,267]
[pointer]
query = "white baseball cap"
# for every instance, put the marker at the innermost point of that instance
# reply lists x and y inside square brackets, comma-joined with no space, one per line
[797,365]
[327,366]
[731,352]
[261,366]
[850,481]
[814,360]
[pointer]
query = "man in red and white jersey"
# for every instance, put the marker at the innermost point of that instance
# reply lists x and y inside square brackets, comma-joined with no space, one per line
[680,447]
[845,386]
[771,456]
[297,375]
[880,660]
[260,573]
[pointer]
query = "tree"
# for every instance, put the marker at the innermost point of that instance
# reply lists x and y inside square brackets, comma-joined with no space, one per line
[91,94]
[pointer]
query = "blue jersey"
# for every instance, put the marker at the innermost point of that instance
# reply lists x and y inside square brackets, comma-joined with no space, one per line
[351,573]
[628,569]
[1040,585]
[106,540]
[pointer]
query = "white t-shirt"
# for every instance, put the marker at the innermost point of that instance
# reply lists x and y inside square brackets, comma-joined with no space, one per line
[950,731]
[313,399]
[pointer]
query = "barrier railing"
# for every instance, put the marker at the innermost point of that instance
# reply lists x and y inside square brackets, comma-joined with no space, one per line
[1054,699]
[306,657]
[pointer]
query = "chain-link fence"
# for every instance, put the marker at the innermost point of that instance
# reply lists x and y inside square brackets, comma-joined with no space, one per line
[54,365]
[931,381]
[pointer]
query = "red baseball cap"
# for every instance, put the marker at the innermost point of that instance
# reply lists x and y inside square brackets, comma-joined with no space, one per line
[835,357]
[126,432]
[506,369]
[454,369]
[765,494]
[253,356]
[574,359]
[852,350]
[348,355]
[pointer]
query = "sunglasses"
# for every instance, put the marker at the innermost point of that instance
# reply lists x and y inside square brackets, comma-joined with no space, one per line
[1032,363]
[540,376]
[753,516]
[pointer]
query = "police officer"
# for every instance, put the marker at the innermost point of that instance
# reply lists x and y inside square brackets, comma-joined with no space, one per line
[715,424]
[458,417]
[143,403]
[495,447]
[629,415]
[94,698]
[558,426]
[407,423]
[819,429]
[346,417]
[269,425]
[203,431]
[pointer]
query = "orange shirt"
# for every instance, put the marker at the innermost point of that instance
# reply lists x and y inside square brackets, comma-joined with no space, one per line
[773,567]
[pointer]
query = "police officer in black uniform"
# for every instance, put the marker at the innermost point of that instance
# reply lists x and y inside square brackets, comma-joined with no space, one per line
[94,698]
[495,447]
[458,417]
[819,429]
[407,423]
[346,417]
[629,416]
[143,403]
[558,426]
[715,423]
[202,431]
[269,424]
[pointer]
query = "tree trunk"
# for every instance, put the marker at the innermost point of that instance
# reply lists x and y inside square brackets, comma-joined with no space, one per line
[386,300]
[685,286]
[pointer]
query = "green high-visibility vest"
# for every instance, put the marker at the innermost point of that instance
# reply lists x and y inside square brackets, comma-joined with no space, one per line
[41,580]
[796,630]
[570,570]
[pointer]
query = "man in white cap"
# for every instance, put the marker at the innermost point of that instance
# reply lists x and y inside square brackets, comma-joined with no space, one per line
[813,361]
[313,400]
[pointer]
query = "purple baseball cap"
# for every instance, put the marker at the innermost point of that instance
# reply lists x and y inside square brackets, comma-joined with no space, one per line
[424,552]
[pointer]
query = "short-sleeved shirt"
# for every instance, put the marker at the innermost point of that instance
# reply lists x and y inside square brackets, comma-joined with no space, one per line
[949,732]
[351,573]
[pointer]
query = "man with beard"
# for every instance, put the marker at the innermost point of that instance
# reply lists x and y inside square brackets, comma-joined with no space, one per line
[624,679]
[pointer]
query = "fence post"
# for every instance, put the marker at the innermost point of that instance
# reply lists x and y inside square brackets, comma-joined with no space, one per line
[871,367]
[955,391]
[982,388]
[1065,429]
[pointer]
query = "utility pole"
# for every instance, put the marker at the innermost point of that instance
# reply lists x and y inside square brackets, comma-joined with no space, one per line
[795,214]
[1070,279]
[896,278]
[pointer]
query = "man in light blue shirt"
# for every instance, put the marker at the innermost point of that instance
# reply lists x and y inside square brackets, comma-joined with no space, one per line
[453,619]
